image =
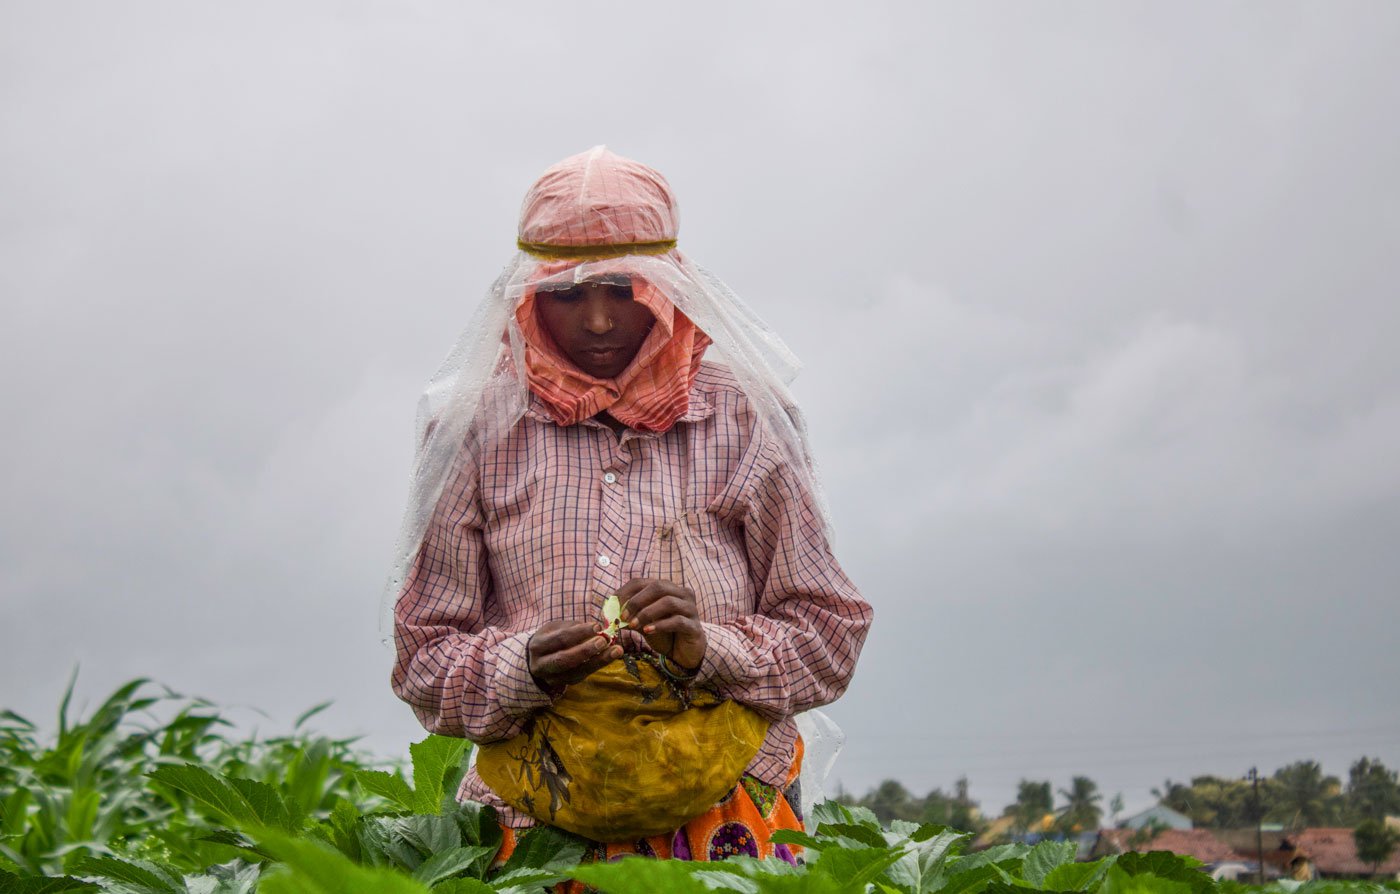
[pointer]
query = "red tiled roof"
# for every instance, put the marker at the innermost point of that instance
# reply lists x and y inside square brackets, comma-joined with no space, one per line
[1333,852]
[1198,843]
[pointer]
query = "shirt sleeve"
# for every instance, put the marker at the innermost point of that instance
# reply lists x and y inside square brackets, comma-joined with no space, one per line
[460,677]
[799,649]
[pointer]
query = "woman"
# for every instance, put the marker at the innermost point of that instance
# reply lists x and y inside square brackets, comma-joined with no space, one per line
[577,445]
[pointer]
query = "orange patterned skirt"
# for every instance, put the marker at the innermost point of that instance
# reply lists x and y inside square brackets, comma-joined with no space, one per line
[741,823]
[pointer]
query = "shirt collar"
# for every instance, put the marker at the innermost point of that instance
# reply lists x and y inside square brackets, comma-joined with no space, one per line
[700,407]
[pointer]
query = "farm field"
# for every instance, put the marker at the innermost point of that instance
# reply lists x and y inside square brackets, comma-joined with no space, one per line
[153,794]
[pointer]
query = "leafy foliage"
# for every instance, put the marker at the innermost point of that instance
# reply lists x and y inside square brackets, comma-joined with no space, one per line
[1375,842]
[121,802]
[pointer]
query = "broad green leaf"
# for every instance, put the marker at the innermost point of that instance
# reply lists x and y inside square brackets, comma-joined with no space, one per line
[305,779]
[1120,881]
[836,812]
[859,833]
[855,865]
[922,831]
[13,884]
[524,881]
[752,867]
[1167,865]
[802,839]
[388,786]
[240,802]
[314,868]
[432,758]
[428,834]
[209,790]
[1007,856]
[479,826]
[15,812]
[397,851]
[265,803]
[545,847]
[973,880]
[136,878]
[920,868]
[1045,857]
[343,827]
[445,864]
[463,886]
[1078,876]
[639,875]
[230,838]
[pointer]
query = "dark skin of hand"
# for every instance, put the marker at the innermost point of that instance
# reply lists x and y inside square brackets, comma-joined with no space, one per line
[564,652]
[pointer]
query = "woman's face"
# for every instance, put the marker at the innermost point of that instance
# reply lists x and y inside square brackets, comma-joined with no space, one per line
[596,324]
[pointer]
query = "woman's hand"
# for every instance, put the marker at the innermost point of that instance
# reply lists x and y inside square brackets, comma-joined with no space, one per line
[667,616]
[564,652]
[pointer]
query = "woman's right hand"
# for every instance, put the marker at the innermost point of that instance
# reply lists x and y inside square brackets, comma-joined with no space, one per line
[564,652]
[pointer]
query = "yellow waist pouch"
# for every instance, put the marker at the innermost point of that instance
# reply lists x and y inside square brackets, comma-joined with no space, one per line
[628,753]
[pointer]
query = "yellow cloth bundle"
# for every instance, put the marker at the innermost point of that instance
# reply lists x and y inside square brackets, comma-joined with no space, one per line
[631,751]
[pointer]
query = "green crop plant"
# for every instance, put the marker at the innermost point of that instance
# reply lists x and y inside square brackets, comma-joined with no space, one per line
[153,793]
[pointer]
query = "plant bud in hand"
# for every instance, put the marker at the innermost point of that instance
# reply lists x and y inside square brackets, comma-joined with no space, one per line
[612,613]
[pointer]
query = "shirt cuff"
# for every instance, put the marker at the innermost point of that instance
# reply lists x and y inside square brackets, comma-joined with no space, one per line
[516,690]
[726,660]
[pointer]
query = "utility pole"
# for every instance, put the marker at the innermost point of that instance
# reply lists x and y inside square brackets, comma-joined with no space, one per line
[1258,822]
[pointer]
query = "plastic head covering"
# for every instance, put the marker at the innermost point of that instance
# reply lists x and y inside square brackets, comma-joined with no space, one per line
[592,204]
[594,217]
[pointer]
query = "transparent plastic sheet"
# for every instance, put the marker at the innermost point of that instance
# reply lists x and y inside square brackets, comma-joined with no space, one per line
[479,392]
[822,741]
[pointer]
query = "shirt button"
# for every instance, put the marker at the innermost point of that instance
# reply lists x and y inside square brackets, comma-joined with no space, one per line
[604,561]
[610,478]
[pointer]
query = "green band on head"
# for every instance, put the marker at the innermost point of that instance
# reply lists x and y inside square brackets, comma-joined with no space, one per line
[594,252]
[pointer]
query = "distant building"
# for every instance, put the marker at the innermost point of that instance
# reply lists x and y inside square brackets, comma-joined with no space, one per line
[1199,843]
[1332,854]
[1161,816]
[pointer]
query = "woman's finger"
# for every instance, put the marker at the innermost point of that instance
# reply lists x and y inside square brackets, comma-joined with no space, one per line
[576,663]
[664,607]
[674,624]
[651,593]
[634,586]
[687,636]
[557,636]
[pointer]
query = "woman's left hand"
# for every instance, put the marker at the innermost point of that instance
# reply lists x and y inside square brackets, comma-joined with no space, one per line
[666,614]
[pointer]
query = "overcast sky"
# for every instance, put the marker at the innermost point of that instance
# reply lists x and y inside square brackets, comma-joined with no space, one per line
[1097,301]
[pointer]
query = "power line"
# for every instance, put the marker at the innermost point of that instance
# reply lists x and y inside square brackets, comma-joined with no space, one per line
[1155,753]
[1214,735]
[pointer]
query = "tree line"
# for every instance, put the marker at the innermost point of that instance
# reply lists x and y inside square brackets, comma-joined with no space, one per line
[1296,796]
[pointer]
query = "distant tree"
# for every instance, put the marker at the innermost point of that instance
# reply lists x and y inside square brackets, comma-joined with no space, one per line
[1218,802]
[1034,801]
[1373,791]
[890,800]
[938,808]
[1115,807]
[965,813]
[1175,795]
[1302,796]
[1375,842]
[1081,810]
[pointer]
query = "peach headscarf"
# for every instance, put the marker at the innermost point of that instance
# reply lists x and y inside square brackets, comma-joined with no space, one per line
[599,199]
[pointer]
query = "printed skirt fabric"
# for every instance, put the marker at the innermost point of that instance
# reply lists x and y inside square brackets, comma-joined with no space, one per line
[740,824]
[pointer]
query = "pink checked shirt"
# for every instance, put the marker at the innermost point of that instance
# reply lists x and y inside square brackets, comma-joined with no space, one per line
[553,519]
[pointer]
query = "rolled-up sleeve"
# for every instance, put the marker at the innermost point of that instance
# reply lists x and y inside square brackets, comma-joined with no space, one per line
[460,677]
[799,649]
